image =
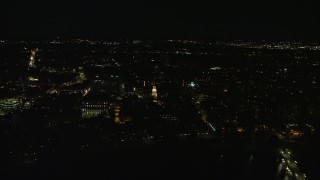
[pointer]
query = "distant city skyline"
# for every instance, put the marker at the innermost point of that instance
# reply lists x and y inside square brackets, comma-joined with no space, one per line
[192,108]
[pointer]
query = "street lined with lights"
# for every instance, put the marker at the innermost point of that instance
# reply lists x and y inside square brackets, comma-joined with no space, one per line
[292,167]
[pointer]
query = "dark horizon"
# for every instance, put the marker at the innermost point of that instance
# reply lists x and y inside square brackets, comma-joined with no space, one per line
[152,39]
[161,20]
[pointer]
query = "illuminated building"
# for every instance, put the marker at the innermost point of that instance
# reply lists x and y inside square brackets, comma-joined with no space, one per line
[154,93]
[193,85]
[81,77]
[240,130]
[32,58]
[295,133]
[94,108]
[33,79]
[117,115]
[10,104]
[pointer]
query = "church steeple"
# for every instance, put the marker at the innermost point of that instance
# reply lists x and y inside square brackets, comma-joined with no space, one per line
[154,93]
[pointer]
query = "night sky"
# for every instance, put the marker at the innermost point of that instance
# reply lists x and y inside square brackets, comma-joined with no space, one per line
[151,19]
